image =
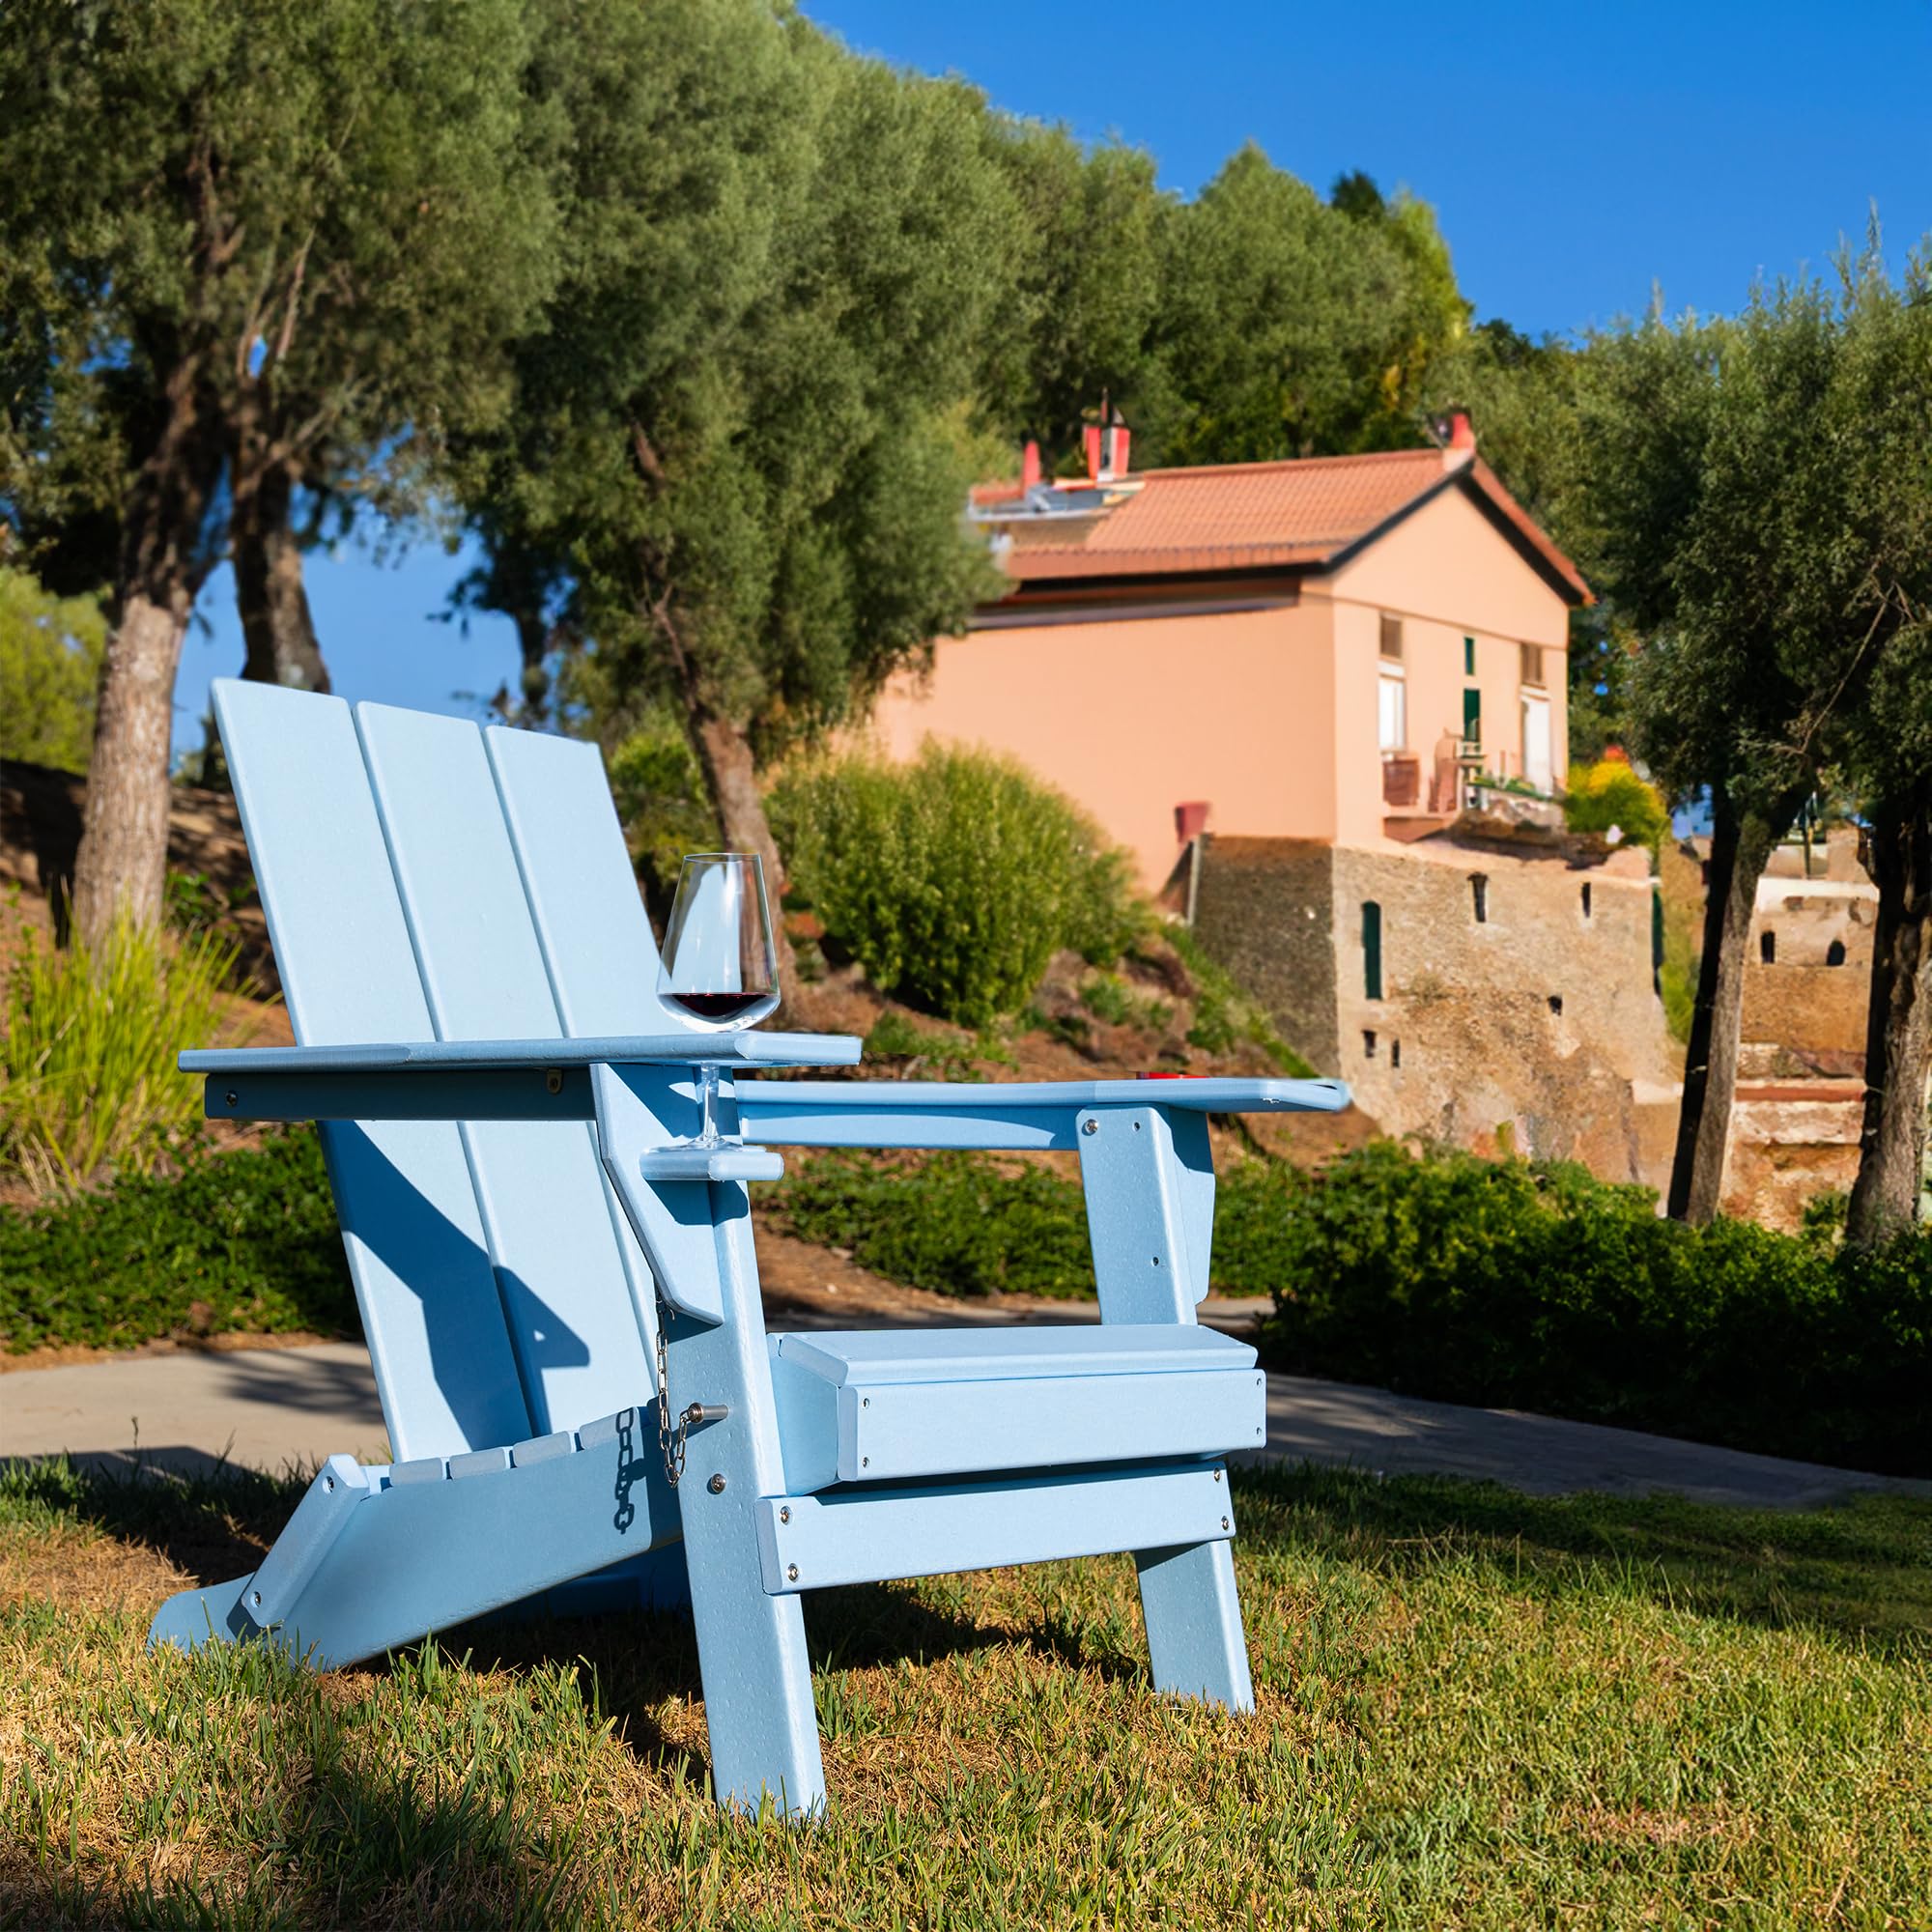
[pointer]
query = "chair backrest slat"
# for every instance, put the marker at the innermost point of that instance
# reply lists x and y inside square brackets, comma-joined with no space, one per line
[589,920]
[583,893]
[568,1297]
[414,1240]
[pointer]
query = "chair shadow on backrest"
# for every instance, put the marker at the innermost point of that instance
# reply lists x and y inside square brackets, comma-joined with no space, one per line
[420,1245]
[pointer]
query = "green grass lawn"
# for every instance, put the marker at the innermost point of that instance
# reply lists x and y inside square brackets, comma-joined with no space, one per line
[1475,1710]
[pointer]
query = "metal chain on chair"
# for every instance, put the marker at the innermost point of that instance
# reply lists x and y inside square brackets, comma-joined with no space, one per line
[670,1442]
[672,1436]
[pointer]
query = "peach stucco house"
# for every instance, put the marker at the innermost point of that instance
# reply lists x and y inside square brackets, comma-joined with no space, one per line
[1280,686]
[1306,648]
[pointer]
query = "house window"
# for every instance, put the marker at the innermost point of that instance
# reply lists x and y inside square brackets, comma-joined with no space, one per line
[1531,663]
[1834,953]
[1468,657]
[1472,717]
[1391,644]
[1395,1053]
[1767,947]
[1538,767]
[1586,898]
[1372,949]
[1392,709]
[1479,893]
[1368,1044]
[1556,1005]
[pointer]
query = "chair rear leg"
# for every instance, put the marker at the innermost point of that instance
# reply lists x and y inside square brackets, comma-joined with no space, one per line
[1194,1623]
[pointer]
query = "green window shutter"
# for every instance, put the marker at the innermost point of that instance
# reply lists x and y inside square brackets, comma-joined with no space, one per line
[1468,657]
[1472,715]
[1372,949]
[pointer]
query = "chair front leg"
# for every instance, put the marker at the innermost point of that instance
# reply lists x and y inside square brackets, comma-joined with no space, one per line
[750,1646]
[1150,1183]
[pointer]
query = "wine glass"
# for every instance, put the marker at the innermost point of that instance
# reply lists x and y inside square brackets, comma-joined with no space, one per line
[719,967]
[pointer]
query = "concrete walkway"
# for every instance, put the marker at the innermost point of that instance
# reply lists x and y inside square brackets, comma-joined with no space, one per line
[266,1407]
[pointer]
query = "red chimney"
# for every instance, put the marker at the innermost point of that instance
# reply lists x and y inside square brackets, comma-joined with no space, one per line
[1106,439]
[1190,818]
[1460,435]
[1030,465]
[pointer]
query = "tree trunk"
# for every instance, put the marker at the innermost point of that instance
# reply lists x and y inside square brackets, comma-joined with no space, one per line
[124,841]
[533,645]
[276,625]
[1898,1023]
[1740,843]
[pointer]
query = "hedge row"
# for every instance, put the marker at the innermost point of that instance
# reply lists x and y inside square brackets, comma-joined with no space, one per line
[1541,1288]
[238,1242]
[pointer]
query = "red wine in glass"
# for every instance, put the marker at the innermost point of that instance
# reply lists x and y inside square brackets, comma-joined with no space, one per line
[717,1008]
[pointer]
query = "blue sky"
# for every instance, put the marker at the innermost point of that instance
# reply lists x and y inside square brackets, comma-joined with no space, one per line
[1576,158]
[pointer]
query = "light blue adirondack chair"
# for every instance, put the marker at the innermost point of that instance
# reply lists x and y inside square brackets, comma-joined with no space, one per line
[472,983]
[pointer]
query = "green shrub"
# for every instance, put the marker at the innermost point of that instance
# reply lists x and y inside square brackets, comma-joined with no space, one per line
[87,1070]
[1610,795]
[956,1224]
[236,1242]
[50,663]
[1523,1286]
[953,880]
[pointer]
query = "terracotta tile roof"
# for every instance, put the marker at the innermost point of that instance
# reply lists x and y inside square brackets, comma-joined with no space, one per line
[1245,515]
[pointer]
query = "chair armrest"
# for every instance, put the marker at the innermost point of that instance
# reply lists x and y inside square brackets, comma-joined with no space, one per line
[761,1049]
[996,1115]
[470,1079]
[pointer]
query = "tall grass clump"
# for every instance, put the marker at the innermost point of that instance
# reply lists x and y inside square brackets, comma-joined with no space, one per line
[88,1079]
[955,879]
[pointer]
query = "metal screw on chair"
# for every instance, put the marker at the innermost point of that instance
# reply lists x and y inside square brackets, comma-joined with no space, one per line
[1224,1522]
[329,1481]
[553,1080]
[1090,1127]
[255,1598]
[717,1483]
[791,1572]
[1217,1475]
[230,1096]
[784,1514]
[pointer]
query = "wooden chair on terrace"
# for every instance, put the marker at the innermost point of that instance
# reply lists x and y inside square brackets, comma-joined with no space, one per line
[501,1093]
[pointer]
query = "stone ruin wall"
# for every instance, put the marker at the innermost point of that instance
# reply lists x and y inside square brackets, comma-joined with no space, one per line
[1470,1045]
[1800,1102]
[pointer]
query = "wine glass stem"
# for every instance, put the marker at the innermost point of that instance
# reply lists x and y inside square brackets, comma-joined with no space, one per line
[707,1100]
